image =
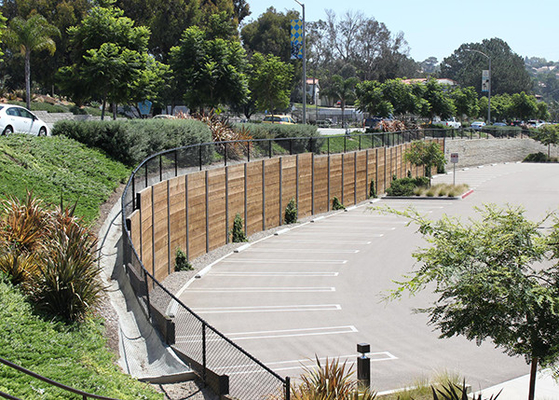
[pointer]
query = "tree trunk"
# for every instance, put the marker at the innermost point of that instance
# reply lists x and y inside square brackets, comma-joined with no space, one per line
[114,110]
[28,79]
[533,373]
[103,108]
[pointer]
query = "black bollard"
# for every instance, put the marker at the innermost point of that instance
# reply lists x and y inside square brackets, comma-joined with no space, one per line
[364,365]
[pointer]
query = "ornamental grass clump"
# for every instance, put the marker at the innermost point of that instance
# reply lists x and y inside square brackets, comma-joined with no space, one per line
[52,255]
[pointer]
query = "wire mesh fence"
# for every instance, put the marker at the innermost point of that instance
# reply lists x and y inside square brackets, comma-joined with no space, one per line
[222,364]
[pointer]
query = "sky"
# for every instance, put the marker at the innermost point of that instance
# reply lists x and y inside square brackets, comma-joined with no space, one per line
[437,28]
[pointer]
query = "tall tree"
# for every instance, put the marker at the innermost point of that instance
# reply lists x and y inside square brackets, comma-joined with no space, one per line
[490,283]
[370,99]
[363,42]
[437,102]
[209,72]
[109,57]
[508,73]
[270,34]
[270,82]
[27,36]
[465,101]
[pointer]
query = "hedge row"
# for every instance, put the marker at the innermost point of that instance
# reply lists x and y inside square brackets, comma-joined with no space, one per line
[132,141]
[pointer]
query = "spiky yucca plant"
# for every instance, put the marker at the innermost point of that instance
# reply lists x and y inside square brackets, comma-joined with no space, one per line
[24,226]
[333,380]
[452,391]
[68,285]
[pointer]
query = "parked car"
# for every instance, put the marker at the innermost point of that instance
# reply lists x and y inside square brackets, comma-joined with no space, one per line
[278,119]
[164,116]
[452,122]
[19,119]
[499,124]
[477,125]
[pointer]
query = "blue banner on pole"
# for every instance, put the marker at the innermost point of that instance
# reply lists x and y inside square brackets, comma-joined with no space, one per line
[296,39]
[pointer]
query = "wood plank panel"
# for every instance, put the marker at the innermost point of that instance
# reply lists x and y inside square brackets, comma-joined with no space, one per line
[254,197]
[305,184]
[320,184]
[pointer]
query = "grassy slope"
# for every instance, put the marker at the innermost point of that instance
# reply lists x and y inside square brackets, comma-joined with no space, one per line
[74,355]
[55,167]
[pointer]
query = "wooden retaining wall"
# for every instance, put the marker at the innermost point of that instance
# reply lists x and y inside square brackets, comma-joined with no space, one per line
[195,212]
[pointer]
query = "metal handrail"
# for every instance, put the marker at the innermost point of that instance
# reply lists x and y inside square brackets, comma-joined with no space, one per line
[84,395]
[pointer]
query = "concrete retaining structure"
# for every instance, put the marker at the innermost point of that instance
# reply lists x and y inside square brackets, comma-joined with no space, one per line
[487,151]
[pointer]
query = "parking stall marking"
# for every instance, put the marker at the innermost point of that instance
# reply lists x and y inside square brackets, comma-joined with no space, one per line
[291,261]
[275,273]
[293,289]
[269,309]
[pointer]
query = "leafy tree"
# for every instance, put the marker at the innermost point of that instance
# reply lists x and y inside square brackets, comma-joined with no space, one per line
[437,101]
[2,28]
[547,135]
[426,154]
[465,101]
[370,98]
[523,106]
[270,82]
[490,283]
[429,65]
[400,95]
[209,72]
[27,36]
[270,34]
[508,73]
[109,57]
[341,89]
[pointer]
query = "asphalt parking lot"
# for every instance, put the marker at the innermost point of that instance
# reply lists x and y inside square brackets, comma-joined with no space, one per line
[316,289]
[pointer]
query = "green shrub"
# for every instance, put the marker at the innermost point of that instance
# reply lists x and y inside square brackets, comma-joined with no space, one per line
[291,212]
[406,186]
[536,157]
[372,190]
[181,261]
[502,131]
[238,232]
[337,205]
[309,139]
[130,142]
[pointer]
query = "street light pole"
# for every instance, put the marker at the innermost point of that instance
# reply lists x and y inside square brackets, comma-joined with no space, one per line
[304,66]
[489,88]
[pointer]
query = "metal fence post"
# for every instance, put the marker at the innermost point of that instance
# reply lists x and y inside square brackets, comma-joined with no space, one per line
[287,388]
[204,357]
[200,155]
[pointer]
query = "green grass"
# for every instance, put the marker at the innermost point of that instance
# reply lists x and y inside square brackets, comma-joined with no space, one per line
[74,355]
[57,167]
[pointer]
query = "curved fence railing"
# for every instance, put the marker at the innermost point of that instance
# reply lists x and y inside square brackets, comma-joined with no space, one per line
[68,389]
[221,363]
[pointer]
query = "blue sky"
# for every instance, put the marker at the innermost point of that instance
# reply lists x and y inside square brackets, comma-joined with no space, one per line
[437,28]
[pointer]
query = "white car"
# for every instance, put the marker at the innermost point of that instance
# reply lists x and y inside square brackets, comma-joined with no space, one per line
[19,119]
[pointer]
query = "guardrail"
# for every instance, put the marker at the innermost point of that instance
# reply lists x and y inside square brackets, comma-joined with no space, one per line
[84,395]
[221,363]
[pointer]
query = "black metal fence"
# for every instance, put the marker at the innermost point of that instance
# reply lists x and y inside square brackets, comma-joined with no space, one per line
[222,364]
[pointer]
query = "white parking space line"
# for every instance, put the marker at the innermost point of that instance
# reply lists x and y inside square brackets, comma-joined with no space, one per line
[330,330]
[307,250]
[299,364]
[270,261]
[268,309]
[331,242]
[294,289]
[275,273]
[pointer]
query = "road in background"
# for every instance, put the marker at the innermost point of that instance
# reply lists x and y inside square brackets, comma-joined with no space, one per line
[316,290]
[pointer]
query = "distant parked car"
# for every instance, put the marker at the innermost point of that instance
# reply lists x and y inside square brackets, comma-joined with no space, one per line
[477,125]
[453,123]
[19,119]
[499,124]
[278,119]
[164,116]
